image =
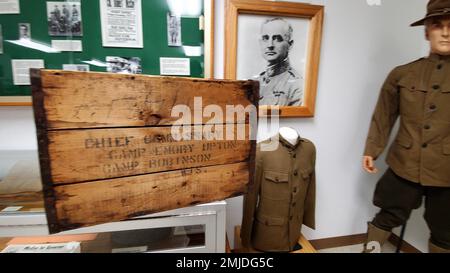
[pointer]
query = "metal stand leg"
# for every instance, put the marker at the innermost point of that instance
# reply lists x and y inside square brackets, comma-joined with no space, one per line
[400,242]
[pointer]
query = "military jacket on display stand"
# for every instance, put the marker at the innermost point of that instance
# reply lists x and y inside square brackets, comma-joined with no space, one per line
[282,197]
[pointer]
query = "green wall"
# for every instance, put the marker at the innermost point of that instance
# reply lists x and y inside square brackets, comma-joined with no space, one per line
[154,19]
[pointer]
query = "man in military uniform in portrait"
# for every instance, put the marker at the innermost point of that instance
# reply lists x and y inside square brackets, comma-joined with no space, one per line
[419,159]
[280,84]
[57,12]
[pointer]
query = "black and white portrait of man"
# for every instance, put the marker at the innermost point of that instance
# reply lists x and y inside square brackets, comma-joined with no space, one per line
[272,50]
[174,30]
[24,31]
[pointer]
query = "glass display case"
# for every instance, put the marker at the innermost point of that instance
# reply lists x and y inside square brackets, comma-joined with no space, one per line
[199,228]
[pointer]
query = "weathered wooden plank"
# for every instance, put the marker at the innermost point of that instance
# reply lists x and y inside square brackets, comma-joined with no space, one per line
[92,203]
[40,119]
[91,100]
[92,154]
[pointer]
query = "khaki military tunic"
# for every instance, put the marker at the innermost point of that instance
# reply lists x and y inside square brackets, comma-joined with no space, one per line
[418,93]
[282,197]
[281,85]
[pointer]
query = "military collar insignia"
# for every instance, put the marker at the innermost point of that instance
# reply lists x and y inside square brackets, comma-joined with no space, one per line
[437,58]
[277,69]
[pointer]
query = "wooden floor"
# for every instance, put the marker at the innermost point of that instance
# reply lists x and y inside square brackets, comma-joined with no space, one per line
[307,247]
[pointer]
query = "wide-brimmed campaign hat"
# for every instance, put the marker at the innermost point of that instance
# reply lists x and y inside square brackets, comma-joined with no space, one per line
[435,8]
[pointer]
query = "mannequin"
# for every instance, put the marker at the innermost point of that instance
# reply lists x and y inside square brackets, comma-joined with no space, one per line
[290,135]
[417,94]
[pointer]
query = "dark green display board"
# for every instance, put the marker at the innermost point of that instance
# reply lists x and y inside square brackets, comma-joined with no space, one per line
[154,20]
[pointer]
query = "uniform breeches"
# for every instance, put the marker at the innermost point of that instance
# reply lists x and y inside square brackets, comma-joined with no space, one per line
[397,197]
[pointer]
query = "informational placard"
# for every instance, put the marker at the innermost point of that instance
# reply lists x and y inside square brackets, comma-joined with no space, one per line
[24,31]
[121,23]
[175,66]
[113,146]
[67,45]
[173,30]
[9,7]
[71,247]
[136,249]
[1,40]
[76,67]
[21,70]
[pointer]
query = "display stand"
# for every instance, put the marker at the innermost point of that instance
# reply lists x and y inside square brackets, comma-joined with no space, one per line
[198,229]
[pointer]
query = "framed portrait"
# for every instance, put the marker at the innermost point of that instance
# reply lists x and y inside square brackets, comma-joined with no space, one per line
[24,31]
[277,44]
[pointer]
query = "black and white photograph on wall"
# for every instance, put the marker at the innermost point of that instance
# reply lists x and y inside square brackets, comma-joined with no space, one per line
[273,51]
[121,23]
[24,31]
[124,65]
[173,30]
[118,3]
[9,7]
[64,19]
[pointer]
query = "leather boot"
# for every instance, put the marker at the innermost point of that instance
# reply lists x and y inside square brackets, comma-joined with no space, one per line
[432,248]
[375,235]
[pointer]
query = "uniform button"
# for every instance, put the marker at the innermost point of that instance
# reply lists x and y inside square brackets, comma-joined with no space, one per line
[295,173]
[424,145]
[293,204]
[433,107]
[276,179]
[295,189]
[439,66]
[294,156]
[436,87]
[427,127]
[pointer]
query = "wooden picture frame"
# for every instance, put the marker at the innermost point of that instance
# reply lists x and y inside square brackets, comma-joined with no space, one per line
[209,11]
[252,12]
[206,23]
[15,101]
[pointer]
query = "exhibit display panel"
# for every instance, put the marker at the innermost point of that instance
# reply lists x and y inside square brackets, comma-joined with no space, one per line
[160,37]
[198,229]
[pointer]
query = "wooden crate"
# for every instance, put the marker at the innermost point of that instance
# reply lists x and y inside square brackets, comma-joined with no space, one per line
[108,151]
